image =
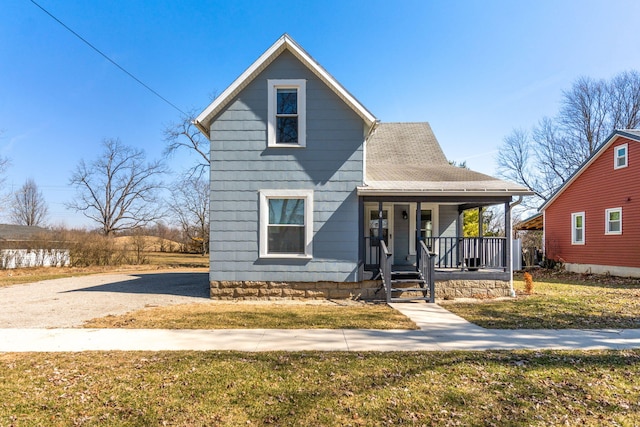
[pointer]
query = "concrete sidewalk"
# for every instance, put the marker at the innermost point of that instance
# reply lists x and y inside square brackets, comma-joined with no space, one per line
[439,330]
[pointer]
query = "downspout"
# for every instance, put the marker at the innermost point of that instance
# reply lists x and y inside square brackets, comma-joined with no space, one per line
[512,291]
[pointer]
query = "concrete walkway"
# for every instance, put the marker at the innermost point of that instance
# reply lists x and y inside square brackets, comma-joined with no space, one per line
[439,330]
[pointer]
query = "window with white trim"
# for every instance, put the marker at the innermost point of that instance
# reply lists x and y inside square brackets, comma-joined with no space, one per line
[286,223]
[620,156]
[287,115]
[577,228]
[613,221]
[426,224]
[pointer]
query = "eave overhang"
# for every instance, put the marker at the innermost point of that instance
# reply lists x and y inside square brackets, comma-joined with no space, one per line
[370,191]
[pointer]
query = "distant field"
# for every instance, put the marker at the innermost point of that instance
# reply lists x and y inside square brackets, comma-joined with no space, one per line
[173,259]
[149,243]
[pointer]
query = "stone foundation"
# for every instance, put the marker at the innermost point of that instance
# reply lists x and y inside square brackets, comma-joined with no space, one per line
[248,290]
[366,290]
[449,289]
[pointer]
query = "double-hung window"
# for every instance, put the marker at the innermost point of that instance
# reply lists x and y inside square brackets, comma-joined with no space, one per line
[621,157]
[613,221]
[287,125]
[286,223]
[577,228]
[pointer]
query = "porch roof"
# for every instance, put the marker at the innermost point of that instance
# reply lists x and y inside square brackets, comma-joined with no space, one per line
[533,223]
[406,159]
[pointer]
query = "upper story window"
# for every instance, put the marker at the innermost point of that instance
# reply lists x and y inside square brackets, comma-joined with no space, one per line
[286,223]
[287,122]
[621,157]
[613,221]
[577,228]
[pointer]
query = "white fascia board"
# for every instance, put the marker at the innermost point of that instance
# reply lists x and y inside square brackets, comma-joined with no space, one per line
[243,80]
[284,42]
[329,80]
[364,191]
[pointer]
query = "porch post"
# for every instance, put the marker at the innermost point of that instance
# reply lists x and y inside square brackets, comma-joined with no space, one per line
[380,254]
[418,234]
[380,221]
[508,236]
[480,237]
[460,238]
[362,249]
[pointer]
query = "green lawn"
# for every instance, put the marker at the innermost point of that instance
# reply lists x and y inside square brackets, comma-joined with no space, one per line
[270,316]
[560,301]
[320,389]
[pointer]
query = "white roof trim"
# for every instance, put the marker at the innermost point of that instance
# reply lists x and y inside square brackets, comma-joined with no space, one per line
[203,121]
[366,191]
[608,143]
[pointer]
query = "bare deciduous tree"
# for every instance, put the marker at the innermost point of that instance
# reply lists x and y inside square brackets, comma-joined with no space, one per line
[118,189]
[583,114]
[28,206]
[190,205]
[4,164]
[184,135]
[624,100]
[555,148]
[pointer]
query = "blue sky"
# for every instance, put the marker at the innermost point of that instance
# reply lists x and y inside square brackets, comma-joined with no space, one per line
[473,69]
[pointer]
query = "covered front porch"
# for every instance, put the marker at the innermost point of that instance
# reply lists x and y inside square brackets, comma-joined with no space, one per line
[403,222]
[424,234]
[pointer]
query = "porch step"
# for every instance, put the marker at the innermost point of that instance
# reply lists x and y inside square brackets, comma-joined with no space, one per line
[414,283]
[409,299]
[405,273]
[409,289]
[416,280]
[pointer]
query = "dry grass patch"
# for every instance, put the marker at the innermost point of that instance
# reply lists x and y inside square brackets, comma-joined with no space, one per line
[259,316]
[177,260]
[560,301]
[329,389]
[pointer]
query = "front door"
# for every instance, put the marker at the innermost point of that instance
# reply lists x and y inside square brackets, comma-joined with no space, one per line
[372,232]
[401,242]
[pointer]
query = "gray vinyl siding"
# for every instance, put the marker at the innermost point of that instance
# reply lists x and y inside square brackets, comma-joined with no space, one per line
[447,220]
[242,165]
[448,215]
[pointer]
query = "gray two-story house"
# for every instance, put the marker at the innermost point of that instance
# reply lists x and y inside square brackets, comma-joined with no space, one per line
[312,196]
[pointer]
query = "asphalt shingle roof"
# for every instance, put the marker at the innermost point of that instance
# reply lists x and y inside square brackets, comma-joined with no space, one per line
[11,232]
[407,156]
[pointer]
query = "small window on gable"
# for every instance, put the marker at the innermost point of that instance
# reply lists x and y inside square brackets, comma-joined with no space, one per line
[613,221]
[577,228]
[286,223]
[621,157]
[286,113]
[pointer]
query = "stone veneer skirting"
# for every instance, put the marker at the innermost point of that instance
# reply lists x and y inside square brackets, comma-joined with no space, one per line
[366,290]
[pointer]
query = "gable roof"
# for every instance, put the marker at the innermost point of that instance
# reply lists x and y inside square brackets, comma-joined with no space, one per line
[285,42]
[633,134]
[407,158]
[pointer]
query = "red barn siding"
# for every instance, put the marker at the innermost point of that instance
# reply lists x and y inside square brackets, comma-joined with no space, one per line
[598,188]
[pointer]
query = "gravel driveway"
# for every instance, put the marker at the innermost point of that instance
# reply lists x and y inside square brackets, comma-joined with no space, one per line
[69,302]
